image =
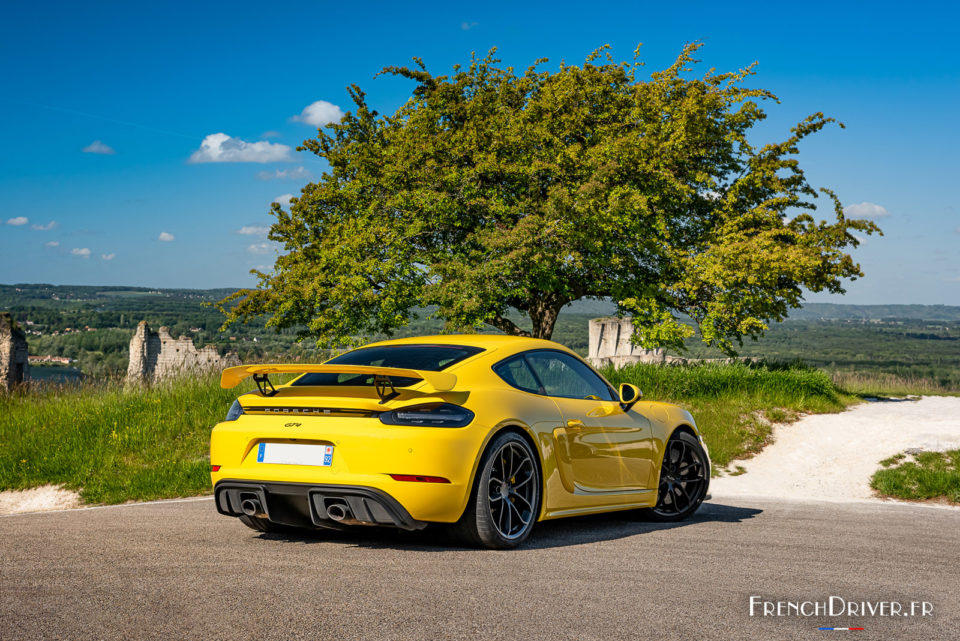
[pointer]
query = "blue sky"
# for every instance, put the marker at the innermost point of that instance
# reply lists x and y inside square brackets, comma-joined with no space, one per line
[104,104]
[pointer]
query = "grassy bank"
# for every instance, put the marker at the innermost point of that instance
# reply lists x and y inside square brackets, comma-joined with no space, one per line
[109,443]
[734,405]
[114,445]
[885,384]
[920,476]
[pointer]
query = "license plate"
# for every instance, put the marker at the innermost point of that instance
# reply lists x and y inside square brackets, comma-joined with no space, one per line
[295,454]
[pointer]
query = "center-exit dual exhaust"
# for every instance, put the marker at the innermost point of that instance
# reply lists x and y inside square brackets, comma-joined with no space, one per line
[336,511]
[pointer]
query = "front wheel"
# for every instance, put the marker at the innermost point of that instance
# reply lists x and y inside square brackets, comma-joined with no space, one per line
[506,495]
[684,478]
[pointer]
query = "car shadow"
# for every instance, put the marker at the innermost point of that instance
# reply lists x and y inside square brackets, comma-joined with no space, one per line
[576,530]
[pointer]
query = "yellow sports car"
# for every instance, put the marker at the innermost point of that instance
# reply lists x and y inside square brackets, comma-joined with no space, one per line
[487,433]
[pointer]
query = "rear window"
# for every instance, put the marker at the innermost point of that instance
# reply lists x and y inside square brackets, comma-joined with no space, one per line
[432,358]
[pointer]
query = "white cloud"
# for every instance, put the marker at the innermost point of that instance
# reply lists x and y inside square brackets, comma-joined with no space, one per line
[283,200]
[319,113]
[110,256]
[223,148]
[97,147]
[955,279]
[253,230]
[467,26]
[165,237]
[46,227]
[52,243]
[865,210]
[82,252]
[19,220]
[297,173]
[863,240]
[259,248]
[270,134]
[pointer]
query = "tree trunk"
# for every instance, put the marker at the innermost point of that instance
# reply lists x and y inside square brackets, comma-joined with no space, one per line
[544,313]
[507,326]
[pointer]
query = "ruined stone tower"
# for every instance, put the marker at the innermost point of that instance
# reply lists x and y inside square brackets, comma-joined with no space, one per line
[610,345]
[14,365]
[155,356]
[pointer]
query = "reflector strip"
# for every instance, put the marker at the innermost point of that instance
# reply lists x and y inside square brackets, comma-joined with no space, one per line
[416,478]
[840,628]
[214,468]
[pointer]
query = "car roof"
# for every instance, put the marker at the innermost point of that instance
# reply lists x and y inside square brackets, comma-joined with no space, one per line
[514,343]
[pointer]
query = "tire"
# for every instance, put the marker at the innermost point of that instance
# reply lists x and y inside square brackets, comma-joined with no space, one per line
[506,496]
[262,525]
[684,480]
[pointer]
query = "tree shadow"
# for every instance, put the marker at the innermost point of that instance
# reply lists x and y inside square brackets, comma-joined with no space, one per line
[565,532]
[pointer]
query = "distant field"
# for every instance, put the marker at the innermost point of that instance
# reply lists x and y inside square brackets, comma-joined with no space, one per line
[868,348]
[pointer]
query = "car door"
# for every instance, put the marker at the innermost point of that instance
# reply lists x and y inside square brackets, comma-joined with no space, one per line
[601,447]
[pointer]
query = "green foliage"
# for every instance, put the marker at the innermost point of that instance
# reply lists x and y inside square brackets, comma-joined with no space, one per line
[112,444]
[116,444]
[490,192]
[733,404]
[922,476]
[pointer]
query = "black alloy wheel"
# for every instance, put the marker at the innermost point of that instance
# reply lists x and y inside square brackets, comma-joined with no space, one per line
[684,479]
[506,495]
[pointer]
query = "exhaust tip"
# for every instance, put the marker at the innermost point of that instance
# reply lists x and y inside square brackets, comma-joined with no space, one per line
[251,507]
[338,511]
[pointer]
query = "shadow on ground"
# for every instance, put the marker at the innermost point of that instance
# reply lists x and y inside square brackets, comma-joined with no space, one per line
[547,534]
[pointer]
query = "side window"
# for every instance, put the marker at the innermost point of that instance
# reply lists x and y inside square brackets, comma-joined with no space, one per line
[516,373]
[565,376]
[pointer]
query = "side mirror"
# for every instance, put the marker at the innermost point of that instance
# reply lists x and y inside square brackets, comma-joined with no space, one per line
[629,394]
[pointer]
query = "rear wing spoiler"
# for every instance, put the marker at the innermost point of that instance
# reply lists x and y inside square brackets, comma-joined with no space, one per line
[439,381]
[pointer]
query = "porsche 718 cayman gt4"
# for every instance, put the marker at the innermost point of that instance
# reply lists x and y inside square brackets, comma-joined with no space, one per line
[487,433]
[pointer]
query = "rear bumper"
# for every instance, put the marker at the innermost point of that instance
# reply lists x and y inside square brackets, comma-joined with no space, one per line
[305,505]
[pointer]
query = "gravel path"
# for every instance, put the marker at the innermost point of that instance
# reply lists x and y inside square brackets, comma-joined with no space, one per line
[831,457]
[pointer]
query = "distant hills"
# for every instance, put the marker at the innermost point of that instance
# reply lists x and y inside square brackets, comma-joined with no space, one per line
[832,311]
[817,311]
[19,295]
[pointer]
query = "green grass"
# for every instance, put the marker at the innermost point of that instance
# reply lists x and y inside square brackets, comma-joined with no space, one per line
[922,476]
[734,405]
[887,384]
[110,443]
[115,444]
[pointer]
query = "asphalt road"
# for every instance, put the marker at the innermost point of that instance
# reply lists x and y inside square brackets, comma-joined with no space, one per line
[178,570]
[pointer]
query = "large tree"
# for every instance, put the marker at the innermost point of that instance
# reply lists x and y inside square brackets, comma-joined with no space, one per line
[490,191]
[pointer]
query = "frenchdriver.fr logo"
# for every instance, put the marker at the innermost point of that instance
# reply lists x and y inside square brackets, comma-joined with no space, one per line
[836,606]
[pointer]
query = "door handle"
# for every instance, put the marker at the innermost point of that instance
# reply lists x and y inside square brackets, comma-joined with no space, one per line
[575,423]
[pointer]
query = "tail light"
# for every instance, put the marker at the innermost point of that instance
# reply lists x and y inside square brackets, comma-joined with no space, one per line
[429,415]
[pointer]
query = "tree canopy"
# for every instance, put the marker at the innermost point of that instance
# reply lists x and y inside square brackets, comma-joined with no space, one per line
[491,192]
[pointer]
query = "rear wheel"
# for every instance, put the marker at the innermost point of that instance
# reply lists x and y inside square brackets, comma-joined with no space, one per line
[506,495]
[684,478]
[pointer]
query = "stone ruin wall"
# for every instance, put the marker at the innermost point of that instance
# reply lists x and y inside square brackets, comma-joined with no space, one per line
[610,345]
[14,362]
[155,356]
